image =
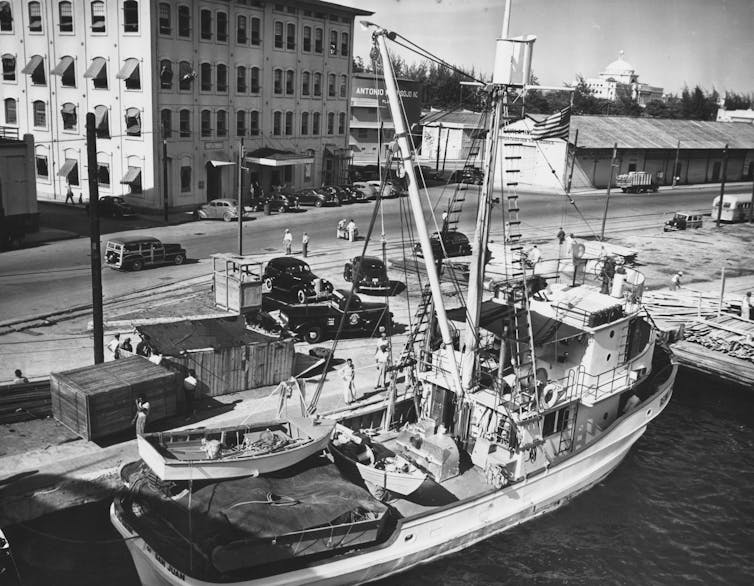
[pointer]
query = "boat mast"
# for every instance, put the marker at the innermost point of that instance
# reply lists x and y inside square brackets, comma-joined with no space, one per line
[402,138]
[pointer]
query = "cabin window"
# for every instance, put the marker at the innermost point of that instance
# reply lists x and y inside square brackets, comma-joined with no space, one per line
[556,422]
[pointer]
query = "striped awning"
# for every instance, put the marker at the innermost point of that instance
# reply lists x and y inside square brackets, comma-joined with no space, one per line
[128,69]
[97,68]
[32,65]
[133,175]
[68,166]
[63,66]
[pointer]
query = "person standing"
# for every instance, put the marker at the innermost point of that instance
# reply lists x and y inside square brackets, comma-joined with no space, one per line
[114,346]
[305,244]
[189,388]
[142,412]
[561,236]
[746,307]
[126,346]
[21,379]
[287,241]
[535,255]
[351,229]
[348,374]
[69,195]
[675,282]
[381,357]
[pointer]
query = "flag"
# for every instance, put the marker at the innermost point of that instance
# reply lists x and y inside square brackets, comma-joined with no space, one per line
[555,126]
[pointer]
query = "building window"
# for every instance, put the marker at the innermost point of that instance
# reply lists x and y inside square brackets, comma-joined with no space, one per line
[166,74]
[342,123]
[331,123]
[242,36]
[240,123]
[9,68]
[164,22]
[11,117]
[278,34]
[184,22]
[129,73]
[289,123]
[43,169]
[317,84]
[70,171]
[305,81]
[98,17]
[206,24]
[35,17]
[70,118]
[98,73]
[131,16]
[331,85]
[315,123]
[184,123]
[6,17]
[256,31]
[307,41]
[254,123]
[166,122]
[206,121]
[255,80]
[277,82]
[132,178]
[241,80]
[101,122]
[290,83]
[103,175]
[318,36]
[343,85]
[185,175]
[222,27]
[304,123]
[133,122]
[222,78]
[40,114]
[35,68]
[344,44]
[333,43]
[205,77]
[277,121]
[187,75]
[65,12]
[222,123]
[67,72]
[290,36]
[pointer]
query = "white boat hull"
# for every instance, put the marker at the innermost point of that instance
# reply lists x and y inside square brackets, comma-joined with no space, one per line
[449,529]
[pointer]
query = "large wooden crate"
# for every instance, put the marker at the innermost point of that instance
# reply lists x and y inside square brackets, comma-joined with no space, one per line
[99,400]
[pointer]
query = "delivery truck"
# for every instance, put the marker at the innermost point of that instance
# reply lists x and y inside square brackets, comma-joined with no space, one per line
[636,182]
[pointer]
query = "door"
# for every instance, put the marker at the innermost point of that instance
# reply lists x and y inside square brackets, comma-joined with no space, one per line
[157,253]
[214,182]
[715,172]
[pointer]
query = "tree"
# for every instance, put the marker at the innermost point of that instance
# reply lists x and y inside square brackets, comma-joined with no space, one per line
[734,101]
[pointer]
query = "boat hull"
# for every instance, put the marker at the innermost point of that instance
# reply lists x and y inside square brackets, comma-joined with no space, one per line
[437,533]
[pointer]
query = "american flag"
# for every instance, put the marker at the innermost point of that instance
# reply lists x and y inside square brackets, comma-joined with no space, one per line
[555,126]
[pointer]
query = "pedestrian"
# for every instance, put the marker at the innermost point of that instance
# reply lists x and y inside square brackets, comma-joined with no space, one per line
[305,244]
[675,282]
[142,349]
[561,236]
[114,346]
[352,230]
[381,357]
[142,412]
[126,346]
[287,241]
[189,388]
[746,307]
[348,374]
[69,195]
[534,256]
[20,378]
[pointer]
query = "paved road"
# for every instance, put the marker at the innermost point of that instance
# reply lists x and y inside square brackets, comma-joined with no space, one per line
[55,276]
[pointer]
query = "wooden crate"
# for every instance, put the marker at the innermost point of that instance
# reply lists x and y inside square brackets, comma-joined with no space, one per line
[99,400]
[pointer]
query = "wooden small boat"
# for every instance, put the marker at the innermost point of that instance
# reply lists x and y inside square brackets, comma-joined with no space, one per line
[386,470]
[233,451]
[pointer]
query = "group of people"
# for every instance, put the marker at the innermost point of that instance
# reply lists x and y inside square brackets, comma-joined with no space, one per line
[288,243]
[347,229]
[382,361]
[116,348]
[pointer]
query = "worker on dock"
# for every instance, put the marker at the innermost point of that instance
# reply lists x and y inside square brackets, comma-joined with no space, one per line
[348,374]
[675,282]
[746,308]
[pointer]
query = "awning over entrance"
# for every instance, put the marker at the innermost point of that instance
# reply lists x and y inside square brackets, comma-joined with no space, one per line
[68,166]
[340,153]
[274,158]
[62,67]
[32,65]
[133,175]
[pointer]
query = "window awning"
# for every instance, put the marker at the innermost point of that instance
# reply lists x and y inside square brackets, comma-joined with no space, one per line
[216,163]
[63,66]
[100,116]
[338,152]
[68,166]
[133,175]
[32,65]
[96,68]
[128,69]
[68,108]
[273,158]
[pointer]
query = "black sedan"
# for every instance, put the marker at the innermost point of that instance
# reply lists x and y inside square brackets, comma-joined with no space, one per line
[113,206]
[277,202]
[368,274]
[293,279]
[316,197]
[447,244]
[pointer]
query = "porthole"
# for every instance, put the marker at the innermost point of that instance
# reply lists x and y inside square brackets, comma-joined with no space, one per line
[612,333]
[409,538]
[608,357]
[649,413]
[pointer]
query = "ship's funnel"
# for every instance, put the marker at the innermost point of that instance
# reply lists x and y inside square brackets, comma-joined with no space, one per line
[513,61]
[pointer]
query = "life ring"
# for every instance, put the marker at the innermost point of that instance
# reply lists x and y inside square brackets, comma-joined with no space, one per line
[578,249]
[550,394]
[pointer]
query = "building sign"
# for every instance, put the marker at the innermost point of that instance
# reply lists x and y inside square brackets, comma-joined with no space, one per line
[367,87]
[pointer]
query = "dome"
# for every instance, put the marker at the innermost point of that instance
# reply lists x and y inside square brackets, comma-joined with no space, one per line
[619,67]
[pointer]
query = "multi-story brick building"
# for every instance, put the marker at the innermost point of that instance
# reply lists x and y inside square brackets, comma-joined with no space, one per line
[185,79]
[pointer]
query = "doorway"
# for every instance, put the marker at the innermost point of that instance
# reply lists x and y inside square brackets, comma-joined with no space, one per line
[214,182]
[715,172]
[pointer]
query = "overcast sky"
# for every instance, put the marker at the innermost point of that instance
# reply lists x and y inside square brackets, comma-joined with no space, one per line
[669,42]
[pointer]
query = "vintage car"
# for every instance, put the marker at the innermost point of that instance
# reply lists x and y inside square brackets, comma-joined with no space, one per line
[136,252]
[447,244]
[368,274]
[277,202]
[112,206]
[221,209]
[469,174]
[293,279]
[317,197]
[683,221]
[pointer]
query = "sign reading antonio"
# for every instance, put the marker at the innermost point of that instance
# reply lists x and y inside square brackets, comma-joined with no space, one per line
[367,87]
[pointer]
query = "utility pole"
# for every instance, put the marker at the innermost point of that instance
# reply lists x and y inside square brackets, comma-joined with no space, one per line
[675,165]
[609,186]
[96,254]
[722,186]
[165,181]
[573,162]
[240,199]
[751,207]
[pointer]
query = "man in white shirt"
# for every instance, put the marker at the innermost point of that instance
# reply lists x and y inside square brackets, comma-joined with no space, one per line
[746,306]
[114,346]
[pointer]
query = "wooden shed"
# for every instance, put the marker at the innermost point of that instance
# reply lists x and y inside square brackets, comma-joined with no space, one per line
[226,356]
[99,400]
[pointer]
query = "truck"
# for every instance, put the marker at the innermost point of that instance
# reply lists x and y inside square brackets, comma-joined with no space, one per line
[636,182]
[19,215]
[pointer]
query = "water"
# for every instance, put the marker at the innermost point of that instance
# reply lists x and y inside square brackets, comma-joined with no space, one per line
[678,510]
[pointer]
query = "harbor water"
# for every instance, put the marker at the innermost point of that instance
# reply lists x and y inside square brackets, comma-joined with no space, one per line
[678,510]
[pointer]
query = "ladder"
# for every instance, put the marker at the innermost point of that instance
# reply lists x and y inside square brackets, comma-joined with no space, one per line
[418,331]
[569,431]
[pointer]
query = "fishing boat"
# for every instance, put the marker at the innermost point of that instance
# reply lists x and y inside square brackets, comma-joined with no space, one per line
[374,463]
[555,379]
[233,451]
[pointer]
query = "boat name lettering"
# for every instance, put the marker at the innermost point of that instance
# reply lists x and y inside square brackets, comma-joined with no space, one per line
[371,91]
[167,566]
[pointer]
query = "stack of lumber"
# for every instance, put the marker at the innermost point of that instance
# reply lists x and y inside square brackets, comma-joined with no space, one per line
[22,402]
[684,305]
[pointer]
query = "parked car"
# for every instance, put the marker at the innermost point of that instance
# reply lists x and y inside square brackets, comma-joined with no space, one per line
[136,252]
[359,195]
[340,194]
[221,209]
[454,243]
[368,274]
[469,174]
[316,197]
[293,279]
[683,221]
[112,206]
[278,202]
[367,188]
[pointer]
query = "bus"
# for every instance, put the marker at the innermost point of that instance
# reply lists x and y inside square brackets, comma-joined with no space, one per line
[736,208]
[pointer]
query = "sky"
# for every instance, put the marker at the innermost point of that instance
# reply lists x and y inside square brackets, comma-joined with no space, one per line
[670,43]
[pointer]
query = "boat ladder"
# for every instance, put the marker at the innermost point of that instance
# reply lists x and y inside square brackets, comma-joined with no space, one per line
[418,331]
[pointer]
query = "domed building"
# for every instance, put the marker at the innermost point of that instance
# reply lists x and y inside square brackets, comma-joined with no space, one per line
[620,78]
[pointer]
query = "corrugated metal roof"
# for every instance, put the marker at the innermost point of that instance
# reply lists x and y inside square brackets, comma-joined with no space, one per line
[461,117]
[601,132]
